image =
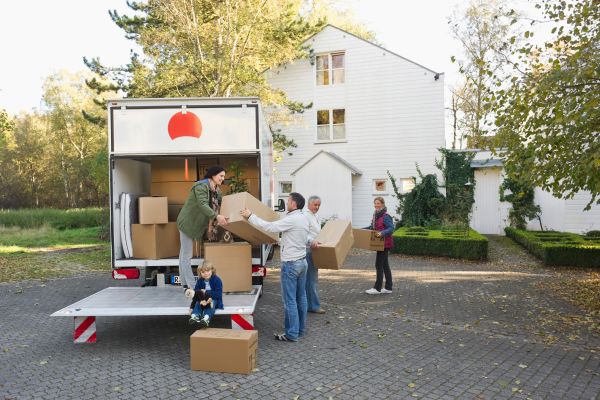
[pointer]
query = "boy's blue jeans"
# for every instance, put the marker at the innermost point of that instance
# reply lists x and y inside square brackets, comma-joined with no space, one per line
[312,289]
[210,311]
[293,293]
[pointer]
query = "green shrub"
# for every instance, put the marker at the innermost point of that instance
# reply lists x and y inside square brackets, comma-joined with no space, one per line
[59,219]
[471,247]
[593,234]
[416,229]
[566,249]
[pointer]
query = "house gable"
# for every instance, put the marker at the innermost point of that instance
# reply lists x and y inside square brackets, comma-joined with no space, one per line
[393,107]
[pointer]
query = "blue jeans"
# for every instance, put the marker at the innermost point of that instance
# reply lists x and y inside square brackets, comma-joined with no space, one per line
[312,278]
[210,311]
[293,293]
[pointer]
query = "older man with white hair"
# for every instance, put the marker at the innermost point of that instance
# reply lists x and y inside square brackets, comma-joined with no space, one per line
[312,273]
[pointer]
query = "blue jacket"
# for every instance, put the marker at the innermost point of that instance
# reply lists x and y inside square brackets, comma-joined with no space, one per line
[216,289]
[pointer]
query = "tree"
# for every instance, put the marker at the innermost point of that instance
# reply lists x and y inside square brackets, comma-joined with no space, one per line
[482,28]
[75,142]
[207,48]
[548,117]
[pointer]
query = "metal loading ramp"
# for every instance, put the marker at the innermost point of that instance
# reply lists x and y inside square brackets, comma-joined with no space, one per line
[138,301]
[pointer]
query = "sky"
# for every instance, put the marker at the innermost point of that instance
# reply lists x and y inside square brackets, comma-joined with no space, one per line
[41,37]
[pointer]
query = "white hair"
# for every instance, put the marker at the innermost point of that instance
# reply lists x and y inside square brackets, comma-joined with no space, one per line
[312,199]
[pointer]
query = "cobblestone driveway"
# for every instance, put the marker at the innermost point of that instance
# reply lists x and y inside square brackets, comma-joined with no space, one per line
[450,330]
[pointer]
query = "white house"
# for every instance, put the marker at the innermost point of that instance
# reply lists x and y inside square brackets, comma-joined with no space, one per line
[373,111]
[490,215]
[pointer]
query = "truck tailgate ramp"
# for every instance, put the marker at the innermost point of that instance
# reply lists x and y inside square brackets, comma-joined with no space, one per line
[149,301]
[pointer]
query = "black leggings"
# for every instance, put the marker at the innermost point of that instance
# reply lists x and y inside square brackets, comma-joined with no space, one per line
[382,266]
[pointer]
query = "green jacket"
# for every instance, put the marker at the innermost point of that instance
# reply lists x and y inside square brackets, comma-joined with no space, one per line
[196,212]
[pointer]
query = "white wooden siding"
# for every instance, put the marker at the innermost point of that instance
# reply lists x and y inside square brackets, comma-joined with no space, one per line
[331,181]
[577,220]
[490,216]
[394,115]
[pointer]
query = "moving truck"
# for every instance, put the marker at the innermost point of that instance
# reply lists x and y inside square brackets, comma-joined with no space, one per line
[160,147]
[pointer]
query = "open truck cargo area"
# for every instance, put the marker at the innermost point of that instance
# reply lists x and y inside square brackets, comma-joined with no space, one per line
[160,148]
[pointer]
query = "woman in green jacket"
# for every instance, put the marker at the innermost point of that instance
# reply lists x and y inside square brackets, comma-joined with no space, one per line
[200,211]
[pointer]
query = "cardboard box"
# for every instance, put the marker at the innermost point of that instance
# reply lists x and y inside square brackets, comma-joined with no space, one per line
[233,262]
[336,240]
[232,205]
[175,192]
[174,170]
[155,241]
[366,239]
[153,210]
[223,350]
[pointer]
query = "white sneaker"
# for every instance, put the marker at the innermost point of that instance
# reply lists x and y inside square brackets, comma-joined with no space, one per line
[372,291]
[384,290]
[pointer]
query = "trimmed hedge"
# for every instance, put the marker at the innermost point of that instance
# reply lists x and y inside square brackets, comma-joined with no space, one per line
[559,248]
[442,243]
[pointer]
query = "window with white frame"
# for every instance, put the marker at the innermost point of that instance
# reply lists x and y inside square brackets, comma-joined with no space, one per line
[331,125]
[285,188]
[406,185]
[330,68]
[380,187]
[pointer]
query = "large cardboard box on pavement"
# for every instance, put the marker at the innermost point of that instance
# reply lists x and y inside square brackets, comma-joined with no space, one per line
[174,170]
[366,239]
[153,210]
[155,241]
[233,262]
[336,240]
[230,208]
[223,350]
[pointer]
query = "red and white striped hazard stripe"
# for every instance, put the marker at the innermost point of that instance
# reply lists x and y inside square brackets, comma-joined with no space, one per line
[85,330]
[242,322]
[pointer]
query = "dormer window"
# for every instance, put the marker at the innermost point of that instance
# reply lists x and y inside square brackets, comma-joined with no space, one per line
[330,68]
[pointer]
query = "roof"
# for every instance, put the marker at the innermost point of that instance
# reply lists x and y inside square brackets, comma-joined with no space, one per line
[373,44]
[489,163]
[352,168]
[485,159]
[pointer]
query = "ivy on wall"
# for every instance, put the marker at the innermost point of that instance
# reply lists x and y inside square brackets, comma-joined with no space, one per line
[521,196]
[425,205]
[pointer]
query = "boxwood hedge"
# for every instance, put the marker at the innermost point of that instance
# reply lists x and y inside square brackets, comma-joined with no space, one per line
[443,243]
[559,248]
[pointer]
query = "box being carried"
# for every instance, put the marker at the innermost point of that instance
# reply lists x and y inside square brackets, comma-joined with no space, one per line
[367,239]
[223,350]
[336,240]
[233,262]
[230,208]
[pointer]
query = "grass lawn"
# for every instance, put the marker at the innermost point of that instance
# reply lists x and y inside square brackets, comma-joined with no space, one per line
[42,253]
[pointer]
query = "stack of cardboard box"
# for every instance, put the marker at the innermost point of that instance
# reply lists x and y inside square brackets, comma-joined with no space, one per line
[225,350]
[173,178]
[154,237]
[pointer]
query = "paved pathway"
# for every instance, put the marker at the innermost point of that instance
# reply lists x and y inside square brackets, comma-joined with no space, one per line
[450,330]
